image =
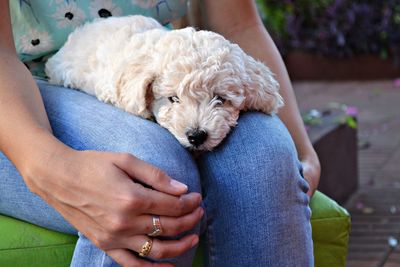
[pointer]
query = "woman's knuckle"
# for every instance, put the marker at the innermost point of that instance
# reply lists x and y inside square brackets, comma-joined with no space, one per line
[180,206]
[138,204]
[132,202]
[117,225]
[148,228]
[149,205]
[173,231]
[177,226]
[102,240]
[158,176]
[127,158]
[158,253]
[180,223]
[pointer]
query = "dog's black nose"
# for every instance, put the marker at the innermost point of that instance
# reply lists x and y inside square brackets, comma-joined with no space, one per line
[197,137]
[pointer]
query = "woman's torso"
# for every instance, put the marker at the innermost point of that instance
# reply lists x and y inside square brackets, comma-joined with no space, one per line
[41,27]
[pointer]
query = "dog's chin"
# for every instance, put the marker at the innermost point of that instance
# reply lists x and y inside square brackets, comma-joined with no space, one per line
[193,148]
[203,147]
[198,148]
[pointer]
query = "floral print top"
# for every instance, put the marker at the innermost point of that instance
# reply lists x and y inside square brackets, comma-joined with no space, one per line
[41,27]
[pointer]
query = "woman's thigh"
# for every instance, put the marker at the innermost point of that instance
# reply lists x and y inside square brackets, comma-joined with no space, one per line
[84,123]
[255,197]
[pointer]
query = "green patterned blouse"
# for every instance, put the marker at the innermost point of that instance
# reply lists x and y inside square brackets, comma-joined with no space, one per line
[41,27]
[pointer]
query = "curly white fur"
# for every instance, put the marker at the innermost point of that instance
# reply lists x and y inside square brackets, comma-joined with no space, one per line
[188,80]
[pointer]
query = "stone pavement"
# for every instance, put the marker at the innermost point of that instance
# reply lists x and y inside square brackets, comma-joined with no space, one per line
[375,208]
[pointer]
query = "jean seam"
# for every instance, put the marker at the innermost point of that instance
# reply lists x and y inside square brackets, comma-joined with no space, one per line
[103,259]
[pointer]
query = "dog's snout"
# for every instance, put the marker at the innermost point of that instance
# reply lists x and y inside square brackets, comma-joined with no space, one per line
[197,137]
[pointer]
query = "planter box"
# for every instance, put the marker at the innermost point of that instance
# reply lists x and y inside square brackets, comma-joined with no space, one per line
[336,145]
[307,66]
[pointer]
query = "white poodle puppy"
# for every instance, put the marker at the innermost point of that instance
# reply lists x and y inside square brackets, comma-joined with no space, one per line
[194,83]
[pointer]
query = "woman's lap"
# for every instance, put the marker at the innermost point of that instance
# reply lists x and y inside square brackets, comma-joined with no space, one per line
[251,183]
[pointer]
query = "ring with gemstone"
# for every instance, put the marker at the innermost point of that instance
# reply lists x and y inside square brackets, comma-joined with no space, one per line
[157,229]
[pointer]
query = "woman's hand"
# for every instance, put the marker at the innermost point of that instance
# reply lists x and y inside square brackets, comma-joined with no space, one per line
[311,172]
[102,195]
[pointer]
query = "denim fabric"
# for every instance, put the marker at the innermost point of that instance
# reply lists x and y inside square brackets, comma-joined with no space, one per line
[257,211]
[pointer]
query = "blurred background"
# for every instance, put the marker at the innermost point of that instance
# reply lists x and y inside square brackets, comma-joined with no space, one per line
[344,59]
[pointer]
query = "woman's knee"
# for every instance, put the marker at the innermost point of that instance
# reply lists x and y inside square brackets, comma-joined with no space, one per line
[254,179]
[257,159]
[158,147]
[172,158]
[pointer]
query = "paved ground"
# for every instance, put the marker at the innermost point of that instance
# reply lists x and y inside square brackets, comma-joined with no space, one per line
[375,208]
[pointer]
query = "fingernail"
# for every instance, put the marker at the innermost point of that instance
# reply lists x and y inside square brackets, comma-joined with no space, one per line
[198,198]
[178,185]
[195,241]
[201,212]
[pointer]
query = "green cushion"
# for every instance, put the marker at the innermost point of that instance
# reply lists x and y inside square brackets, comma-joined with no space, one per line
[23,244]
[330,231]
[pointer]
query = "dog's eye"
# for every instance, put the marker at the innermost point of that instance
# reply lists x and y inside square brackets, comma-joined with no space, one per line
[173,99]
[220,99]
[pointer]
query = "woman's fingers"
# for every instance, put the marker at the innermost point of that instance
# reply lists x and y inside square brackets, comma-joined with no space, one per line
[311,173]
[163,249]
[155,202]
[127,259]
[144,172]
[171,226]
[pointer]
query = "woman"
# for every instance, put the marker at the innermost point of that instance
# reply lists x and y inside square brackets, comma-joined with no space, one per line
[132,188]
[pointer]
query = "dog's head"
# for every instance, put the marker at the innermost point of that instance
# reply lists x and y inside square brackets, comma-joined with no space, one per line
[196,83]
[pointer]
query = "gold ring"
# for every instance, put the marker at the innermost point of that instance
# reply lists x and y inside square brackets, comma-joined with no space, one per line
[157,229]
[146,248]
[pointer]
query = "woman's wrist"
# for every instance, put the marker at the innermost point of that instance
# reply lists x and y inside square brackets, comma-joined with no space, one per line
[38,156]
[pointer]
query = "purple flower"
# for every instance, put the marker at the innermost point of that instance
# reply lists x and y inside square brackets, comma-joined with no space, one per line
[352,111]
[396,82]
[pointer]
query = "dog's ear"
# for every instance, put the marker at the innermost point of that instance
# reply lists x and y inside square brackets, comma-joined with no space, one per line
[261,90]
[134,90]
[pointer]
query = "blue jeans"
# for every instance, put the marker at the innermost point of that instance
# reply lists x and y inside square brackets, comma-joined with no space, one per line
[257,211]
